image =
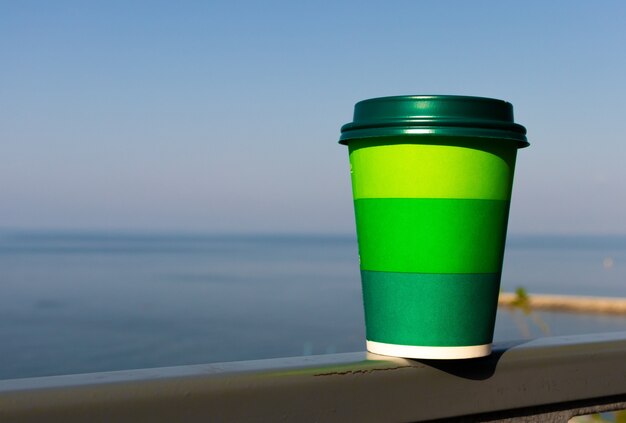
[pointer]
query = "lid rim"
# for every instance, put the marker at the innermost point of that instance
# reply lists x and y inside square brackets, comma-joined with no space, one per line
[435,132]
[437,122]
[434,115]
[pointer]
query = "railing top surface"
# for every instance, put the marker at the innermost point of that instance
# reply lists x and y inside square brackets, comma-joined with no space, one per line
[347,386]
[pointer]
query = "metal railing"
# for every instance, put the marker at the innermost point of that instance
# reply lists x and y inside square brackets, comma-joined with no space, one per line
[546,380]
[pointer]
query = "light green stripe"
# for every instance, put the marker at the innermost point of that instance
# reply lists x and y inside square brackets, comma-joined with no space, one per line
[447,169]
[431,235]
[430,309]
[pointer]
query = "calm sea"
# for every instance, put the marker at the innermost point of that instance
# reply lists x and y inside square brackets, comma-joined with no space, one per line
[73,303]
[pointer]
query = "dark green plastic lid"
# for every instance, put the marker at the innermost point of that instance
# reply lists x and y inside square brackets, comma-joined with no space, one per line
[434,115]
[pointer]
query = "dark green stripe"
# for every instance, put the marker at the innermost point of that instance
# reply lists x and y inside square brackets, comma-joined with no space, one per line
[430,309]
[431,235]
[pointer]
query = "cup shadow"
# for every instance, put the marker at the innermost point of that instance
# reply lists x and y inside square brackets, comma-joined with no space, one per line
[474,368]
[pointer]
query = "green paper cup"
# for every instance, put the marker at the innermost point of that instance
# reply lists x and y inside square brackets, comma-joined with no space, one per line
[431,180]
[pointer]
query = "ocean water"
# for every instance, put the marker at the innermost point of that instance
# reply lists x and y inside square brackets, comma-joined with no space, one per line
[79,302]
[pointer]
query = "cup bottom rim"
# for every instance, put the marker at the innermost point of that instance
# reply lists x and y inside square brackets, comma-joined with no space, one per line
[429,352]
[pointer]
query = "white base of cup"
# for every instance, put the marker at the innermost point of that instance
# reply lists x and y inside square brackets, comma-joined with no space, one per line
[437,353]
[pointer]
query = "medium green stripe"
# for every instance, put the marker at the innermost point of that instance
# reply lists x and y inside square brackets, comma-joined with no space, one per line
[430,309]
[427,235]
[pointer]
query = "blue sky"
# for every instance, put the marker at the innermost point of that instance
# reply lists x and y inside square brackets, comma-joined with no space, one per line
[224,116]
